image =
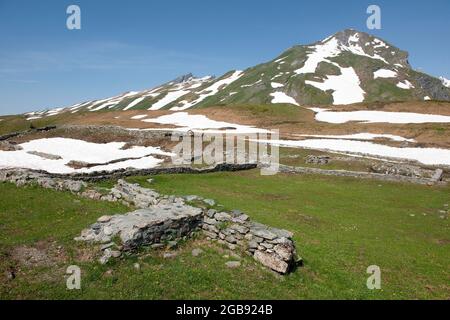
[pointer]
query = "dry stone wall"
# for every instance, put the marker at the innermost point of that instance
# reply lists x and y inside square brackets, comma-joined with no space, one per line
[162,220]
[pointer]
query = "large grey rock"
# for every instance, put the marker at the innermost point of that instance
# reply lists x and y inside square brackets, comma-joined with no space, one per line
[135,194]
[437,176]
[271,261]
[45,155]
[146,226]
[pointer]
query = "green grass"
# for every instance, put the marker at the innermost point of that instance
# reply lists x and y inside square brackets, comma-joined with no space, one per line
[341,227]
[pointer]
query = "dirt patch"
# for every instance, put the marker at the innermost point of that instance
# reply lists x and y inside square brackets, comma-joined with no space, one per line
[41,254]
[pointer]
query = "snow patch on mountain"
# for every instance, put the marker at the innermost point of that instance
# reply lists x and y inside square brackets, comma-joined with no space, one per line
[325,115]
[429,156]
[200,122]
[170,97]
[346,86]
[445,82]
[281,97]
[276,85]
[211,90]
[332,48]
[405,85]
[384,73]
[79,150]
[360,136]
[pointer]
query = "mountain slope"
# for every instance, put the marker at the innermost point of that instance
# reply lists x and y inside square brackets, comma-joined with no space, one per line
[347,67]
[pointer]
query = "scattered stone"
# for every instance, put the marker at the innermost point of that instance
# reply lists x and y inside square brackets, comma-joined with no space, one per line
[321,160]
[209,202]
[106,246]
[10,275]
[105,257]
[9,146]
[438,175]
[191,198]
[197,252]
[210,213]
[233,264]
[137,266]
[104,219]
[157,246]
[172,244]
[222,216]
[116,254]
[169,255]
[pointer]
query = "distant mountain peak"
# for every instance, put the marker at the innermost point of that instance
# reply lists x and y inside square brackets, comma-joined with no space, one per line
[183,78]
[347,67]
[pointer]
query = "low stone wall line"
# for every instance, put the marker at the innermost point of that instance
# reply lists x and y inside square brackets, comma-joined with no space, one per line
[366,175]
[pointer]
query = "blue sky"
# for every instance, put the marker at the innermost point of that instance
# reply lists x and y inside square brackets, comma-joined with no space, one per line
[137,44]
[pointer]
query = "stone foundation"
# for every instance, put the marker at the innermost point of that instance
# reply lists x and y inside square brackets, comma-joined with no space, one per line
[163,219]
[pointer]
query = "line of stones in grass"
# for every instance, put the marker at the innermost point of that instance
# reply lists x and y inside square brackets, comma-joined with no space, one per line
[164,220]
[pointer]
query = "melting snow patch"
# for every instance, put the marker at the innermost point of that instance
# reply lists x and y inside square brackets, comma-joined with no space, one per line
[332,48]
[211,90]
[170,97]
[361,136]
[429,156]
[445,82]
[191,122]
[377,117]
[276,85]
[281,97]
[139,116]
[405,85]
[78,150]
[384,73]
[251,85]
[345,86]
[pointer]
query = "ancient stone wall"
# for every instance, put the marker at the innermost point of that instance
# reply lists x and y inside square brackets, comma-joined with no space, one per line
[162,219]
[437,177]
